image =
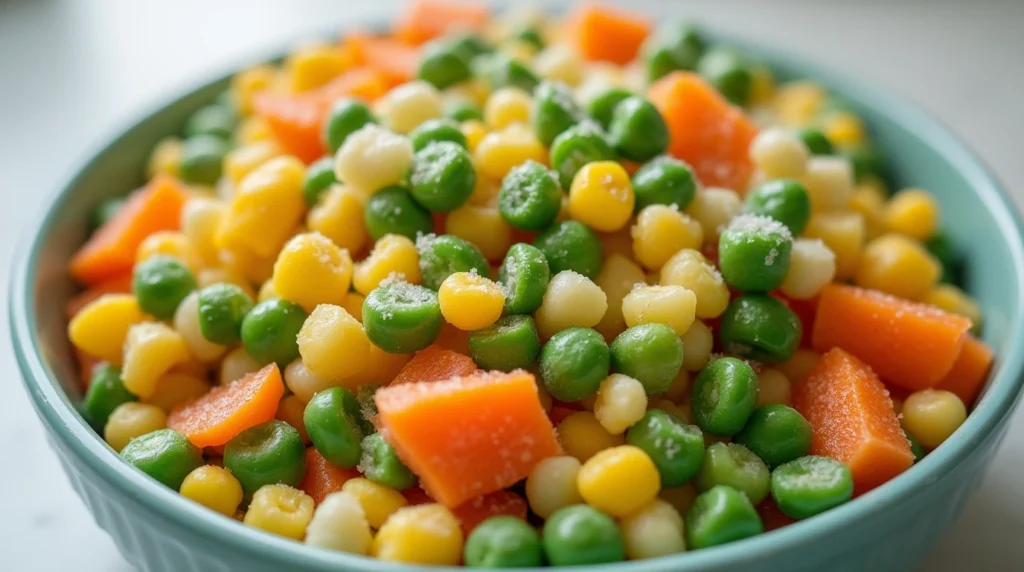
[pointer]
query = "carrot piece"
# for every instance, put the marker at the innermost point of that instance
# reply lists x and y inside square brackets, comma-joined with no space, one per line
[853,419]
[361,83]
[227,410]
[120,284]
[110,252]
[423,20]
[322,476]
[970,370]
[294,121]
[771,516]
[395,61]
[468,436]
[607,34]
[499,503]
[906,343]
[435,363]
[705,130]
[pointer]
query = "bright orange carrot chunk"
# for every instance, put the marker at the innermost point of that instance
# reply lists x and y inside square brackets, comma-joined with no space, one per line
[435,363]
[120,284]
[361,83]
[423,20]
[227,410]
[323,477]
[294,121]
[908,344]
[607,34]
[468,436]
[110,252]
[499,503]
[395,61]
[853,420]
[970,370]
[705,130]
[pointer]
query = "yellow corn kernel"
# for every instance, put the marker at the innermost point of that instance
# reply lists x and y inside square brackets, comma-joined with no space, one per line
[353,303]
[619,480]
[582,436]
[410,104]
[560,62]
[373,158]
[499,151]
[654,530]
[165,158]
[131,420]
[621,402]
[200,219]
[253,130]
[473,90]
[150,350]
[552,485]
[281,510]
[763,87]
[681,498]
[671,305]
[213,487]
[869,200]
[382,367]
[506,106]
[661,231]
[241,161]
[617,277]
[302,382]
[423,534]
[176,388]
[378,501]
[482,226]
[691,270]
[210,276]
[932,415]
[954,300]
[779,153]
[796,103]
[266,292]
[470,301]
[474,132]
[101,326]
[339,217]
[798,366]
[829,183]
[773,387]
[713,208]
[843,233]
[310,67]
[697,343]
[171,243]
[518,50]
[339,523]
[186,322]
[601,196]
[290,410]
[898,265]
[265,209]
[485,193]
[914,213]
[312,270]
[333,344]
[811,266]
[245,85]
[844,129]
[570,300]
[252,267]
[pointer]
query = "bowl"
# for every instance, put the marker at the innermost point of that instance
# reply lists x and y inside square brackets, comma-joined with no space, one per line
[889,528]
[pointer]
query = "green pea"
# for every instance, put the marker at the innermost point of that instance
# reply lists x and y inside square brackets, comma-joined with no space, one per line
[165,455]
[733,465]
[217,120]
[676,448]
[332,420]
[443,66]
[269,331]
[444,255]
[575,147]
[269,453]
[367,407]
[510,343]
[105,211]
[442,176]
[776,433]
[530,35]
[941,247]
[499,70]
[675,46]
[815,141]
[579,534]
[573,363]
[718,516]
[106,391]
[650,353]
[319,177]
[554,111]
[637,130]
[524,276]
[602,107]
[434,130]
[811,485]
[345,118]
[468,45]
[392,210]
[222,308]
[160,283]
[380,464]
[867,161]
[571,245]
[785,200]
[664,181]
[401,318]
[462,110]
[723,397]
[754,253]
[915,447]
[728,72]
[530,197]
[202,159]
[503,542]
[761,328]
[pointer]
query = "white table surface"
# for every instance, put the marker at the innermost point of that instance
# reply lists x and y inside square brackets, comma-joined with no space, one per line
[71,72]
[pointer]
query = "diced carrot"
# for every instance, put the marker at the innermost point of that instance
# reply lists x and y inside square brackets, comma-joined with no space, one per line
[906,343]
[853,419]
[423,20]
[468,436]
[227,410]
[805,311]
[110,252]
[771,517]
[416,495]
[454,339]
[119,284]
[361,83]
[969,370]
[435,363]
[294,121]
[607,34]
[499,503]
[705,130]
[395,61]
[322,476]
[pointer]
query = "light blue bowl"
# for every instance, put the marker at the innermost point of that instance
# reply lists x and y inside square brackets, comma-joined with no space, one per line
[890,528]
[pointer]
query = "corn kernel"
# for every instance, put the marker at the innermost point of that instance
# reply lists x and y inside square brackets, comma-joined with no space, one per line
[253,130]
[236,364]
[681,498]
[660,231]
[482,226]
[339,523]
[209,276]
[353,303]
[869,201]
[241,161]
[245,85]
[410,104]
[560,62]
[485,194]
[165,158]
[773,387]
[811,266]
[954,300]
[691,270]
[280,509]
[499,151]
[266,292]
[779,154]
[310,67]
[671,305]
[312,270]
[382,367]
[898,265]
[378,501]
[914,213]
[617,277]
[601,196]
[582,436]
[713,208]
[101,327]
[150,350]
[798,366]
[170,243]
[932,415]
[265,209]
[339,217]
[302,382]
[621,402]
[619,480]
[474,90]
[552,485]
[697,343]
[131,420]
[829,183]
[844,129]
[470,301]
[474,132]
[213,487]
[176,388]
[422,534]
[843,233]
[796,103]
[570,300]
[373,158]
[506,106]
[654,530]
[186,322]
[333,345]
[200,219]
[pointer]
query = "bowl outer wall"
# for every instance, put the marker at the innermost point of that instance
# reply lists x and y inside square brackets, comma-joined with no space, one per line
[889,528]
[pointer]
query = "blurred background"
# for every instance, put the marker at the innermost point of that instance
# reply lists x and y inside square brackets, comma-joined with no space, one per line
[73,72]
